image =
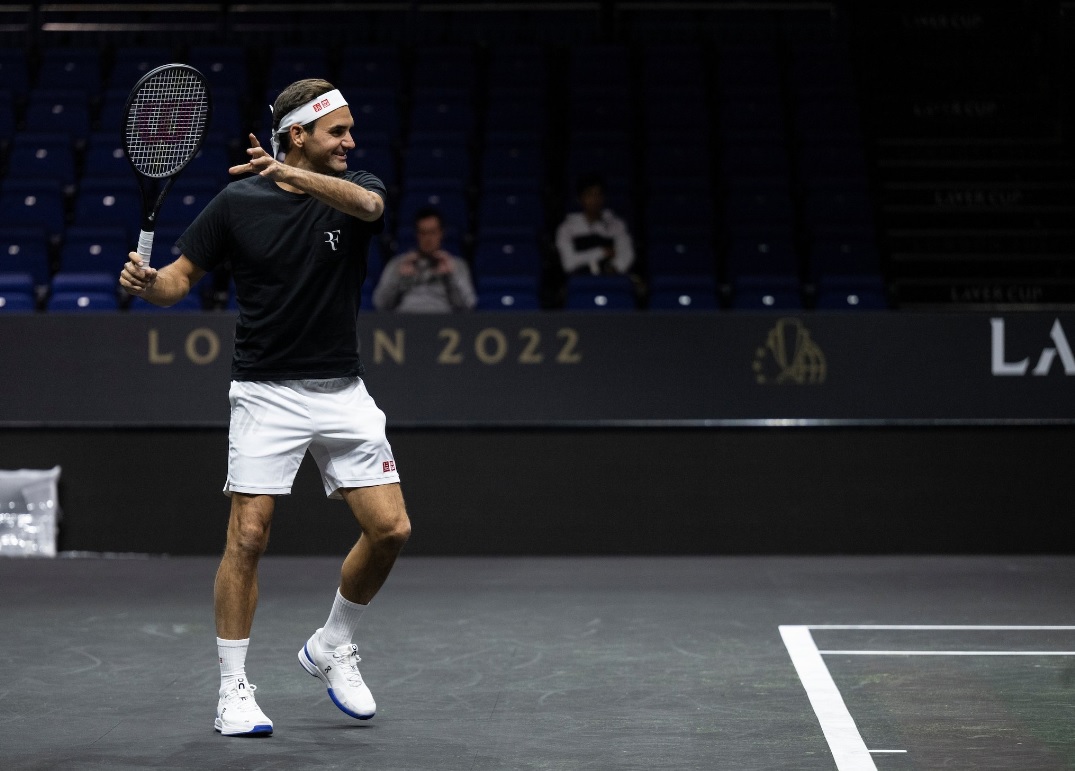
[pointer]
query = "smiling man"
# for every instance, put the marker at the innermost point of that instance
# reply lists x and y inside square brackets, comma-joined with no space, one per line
[296,237]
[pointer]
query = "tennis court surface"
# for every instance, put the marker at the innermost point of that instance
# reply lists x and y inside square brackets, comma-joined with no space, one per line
[557,663]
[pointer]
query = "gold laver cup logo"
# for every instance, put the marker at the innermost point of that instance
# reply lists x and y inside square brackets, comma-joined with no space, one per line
[789,356]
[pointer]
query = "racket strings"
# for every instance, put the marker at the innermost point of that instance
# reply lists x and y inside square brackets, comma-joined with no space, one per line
[166,121]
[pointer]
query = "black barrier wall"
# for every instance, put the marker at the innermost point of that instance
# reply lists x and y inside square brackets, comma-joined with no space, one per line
[614,491]
[570,369]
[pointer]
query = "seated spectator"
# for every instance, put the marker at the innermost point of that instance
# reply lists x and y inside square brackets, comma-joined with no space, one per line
[594,241]
[427,279]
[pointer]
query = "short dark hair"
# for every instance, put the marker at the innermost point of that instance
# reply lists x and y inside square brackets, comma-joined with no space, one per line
[297,94]
[428,211]
[588,180]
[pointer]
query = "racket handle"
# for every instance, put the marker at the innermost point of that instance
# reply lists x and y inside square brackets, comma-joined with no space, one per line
[145,246]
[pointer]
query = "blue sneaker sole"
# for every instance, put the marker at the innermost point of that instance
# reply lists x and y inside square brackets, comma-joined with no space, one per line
[308,664]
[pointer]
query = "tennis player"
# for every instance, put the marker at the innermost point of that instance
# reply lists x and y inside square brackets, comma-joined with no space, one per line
[296,236]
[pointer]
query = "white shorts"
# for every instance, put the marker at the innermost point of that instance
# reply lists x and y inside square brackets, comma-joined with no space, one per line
[274,423]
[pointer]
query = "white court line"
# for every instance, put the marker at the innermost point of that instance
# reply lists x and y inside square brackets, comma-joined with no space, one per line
[848,749]
[947,653]
[845,742]
[945,627]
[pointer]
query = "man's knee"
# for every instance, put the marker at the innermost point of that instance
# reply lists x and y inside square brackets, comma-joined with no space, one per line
[248,530]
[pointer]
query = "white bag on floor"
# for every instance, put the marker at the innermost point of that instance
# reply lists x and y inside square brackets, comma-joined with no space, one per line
[29,512]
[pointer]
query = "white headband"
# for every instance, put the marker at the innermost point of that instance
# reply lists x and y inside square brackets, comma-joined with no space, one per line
[307,113]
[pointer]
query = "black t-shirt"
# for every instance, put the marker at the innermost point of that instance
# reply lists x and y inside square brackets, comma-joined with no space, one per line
[298,266]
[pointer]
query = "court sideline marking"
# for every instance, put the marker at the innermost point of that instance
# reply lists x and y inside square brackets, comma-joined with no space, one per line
[848,749]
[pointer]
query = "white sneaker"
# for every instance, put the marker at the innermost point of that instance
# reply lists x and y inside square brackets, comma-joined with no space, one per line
[338,670]
[237,714]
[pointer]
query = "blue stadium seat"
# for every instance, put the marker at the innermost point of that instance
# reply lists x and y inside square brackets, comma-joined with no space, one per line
[450,202]
[517,112]
[747,71]
[226,121]
[754,159]
[191,302]
[376,157]
[105,159]
[94,281]
[744,118]
[82,302]
[820,71]
[132,62]
[837,205]
[608,154]
[508,293]
[222,65]
[76,68]
[296,62]
[60,112]
[690,254]
[378,113]
[185,201]
[669,212]
[94,249]
[600,111]
[851,293]
[515,67]
[760,206]
[511,208]
[512,254]
[683,293]
[211,162]
[25,250]
[678,160]
[16,302]
[14,71]
[844,256]
[828,120]
[436,164]
[599,66]
[16,283]
[33,205]
[766,293]
[164,248]
[450,66]
[442,113]
[369,65]
[512,164]
[762,255]
[600,293]
[820,160]
[110,117]
[7,115]
[109,204]
[42,158]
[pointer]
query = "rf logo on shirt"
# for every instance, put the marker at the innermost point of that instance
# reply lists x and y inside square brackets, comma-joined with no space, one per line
[332,238]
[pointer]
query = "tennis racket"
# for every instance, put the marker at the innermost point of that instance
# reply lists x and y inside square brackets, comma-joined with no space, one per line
[164,123]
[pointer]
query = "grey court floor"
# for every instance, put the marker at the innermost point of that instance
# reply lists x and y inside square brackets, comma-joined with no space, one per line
[550,663]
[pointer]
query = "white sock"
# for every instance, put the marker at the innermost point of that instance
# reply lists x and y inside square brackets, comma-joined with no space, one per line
[342,623]
[232,655]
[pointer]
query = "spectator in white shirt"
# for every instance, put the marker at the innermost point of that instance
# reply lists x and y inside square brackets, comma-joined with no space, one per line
[594,241]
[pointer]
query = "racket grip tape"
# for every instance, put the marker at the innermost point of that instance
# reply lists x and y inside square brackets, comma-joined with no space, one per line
[145,246]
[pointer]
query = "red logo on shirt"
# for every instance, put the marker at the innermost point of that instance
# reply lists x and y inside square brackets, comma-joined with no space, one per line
[388,466]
